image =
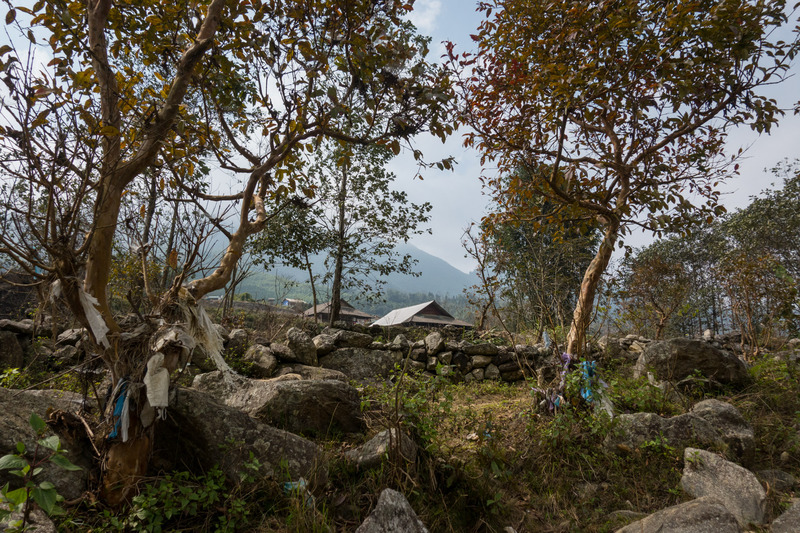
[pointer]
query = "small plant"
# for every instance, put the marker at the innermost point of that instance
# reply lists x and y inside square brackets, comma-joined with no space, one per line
[42,493]
[183,501]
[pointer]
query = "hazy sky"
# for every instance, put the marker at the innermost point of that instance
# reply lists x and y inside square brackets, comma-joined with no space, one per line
[456,196]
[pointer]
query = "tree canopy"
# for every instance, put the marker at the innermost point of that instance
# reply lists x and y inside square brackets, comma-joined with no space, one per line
[620,109]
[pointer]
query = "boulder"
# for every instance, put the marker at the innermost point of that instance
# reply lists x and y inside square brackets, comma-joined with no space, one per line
[708,474]
[264,362]
[38,522]
[702,515]
[282,352]
[201,432]
[344,338]
[480,349]
[393,514]
[675,359]
[20,327]
[16,407]
[11,355]
[324,343]
[434,343]
[67,354]
[777,479]
[789,521]
[237,341]
[303,349]
[481,361]
[223,332]
[311,372]
[70,337]
[445,357]
[462,361]
[400,342]
[710,423]
[477,374]
[491,372]
[361,364]
[376,450]
[316,407]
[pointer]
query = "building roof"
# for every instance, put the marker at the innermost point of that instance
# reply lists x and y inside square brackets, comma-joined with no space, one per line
[428,313]
[346,309]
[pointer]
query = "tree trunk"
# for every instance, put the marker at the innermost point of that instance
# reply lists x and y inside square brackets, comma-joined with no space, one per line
[311,281]
[336,291]
[576,339]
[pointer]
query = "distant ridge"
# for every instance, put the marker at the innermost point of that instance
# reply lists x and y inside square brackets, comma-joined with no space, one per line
[437,277]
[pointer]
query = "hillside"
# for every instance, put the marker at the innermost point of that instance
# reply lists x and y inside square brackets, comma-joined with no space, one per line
[438,280]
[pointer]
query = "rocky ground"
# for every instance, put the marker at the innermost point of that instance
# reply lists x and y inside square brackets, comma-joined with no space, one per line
[369,430]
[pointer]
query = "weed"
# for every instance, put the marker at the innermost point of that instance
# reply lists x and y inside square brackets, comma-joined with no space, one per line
[44,493]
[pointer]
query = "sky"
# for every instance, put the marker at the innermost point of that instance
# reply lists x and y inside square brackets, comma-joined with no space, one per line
[457,197]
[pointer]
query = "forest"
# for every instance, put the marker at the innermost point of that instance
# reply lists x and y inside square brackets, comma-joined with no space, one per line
[152,153]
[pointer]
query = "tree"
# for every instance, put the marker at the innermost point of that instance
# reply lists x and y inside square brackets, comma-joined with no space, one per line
[619,109]
[293,239]
[539,265]
[357,219]
[655,286]
[138,86]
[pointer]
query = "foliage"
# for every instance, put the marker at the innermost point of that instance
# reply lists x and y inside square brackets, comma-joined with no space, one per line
[357,219]
[619,110]
[44,493]
[183,501]
[654,287]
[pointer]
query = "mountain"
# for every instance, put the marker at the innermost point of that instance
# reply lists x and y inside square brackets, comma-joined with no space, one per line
[438,278]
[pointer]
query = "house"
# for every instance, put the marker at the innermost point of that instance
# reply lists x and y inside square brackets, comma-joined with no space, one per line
[296,305]
[347,313]
[429,314]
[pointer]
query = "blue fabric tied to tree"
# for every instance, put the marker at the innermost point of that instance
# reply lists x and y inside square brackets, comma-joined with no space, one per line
[588,374]
[120,410]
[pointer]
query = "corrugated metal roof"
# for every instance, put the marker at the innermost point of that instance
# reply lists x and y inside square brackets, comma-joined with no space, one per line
[346,309]
[426,313]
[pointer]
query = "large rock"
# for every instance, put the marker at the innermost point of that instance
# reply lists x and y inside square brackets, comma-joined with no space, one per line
[303,349]
[200,432]
[11,355]
[434,343]
[675,359]
[264,362]
[361,364]
[708,474]
[324,343]
[38,522]
[311,372]
[372,453]
[237,341]
[702,515]
[21,327]
[16,407]
[710,423]
[393,514]
[344,338]
[301,406]
[480,349]
[789,521]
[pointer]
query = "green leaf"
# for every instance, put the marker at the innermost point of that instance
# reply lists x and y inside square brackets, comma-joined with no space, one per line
[46,498]
[51,443]
[38,425]
[21,447]
[17,497]
[63,462]
[12,461]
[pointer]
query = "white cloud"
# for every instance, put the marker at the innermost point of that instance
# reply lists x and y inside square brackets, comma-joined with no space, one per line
[425,14]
